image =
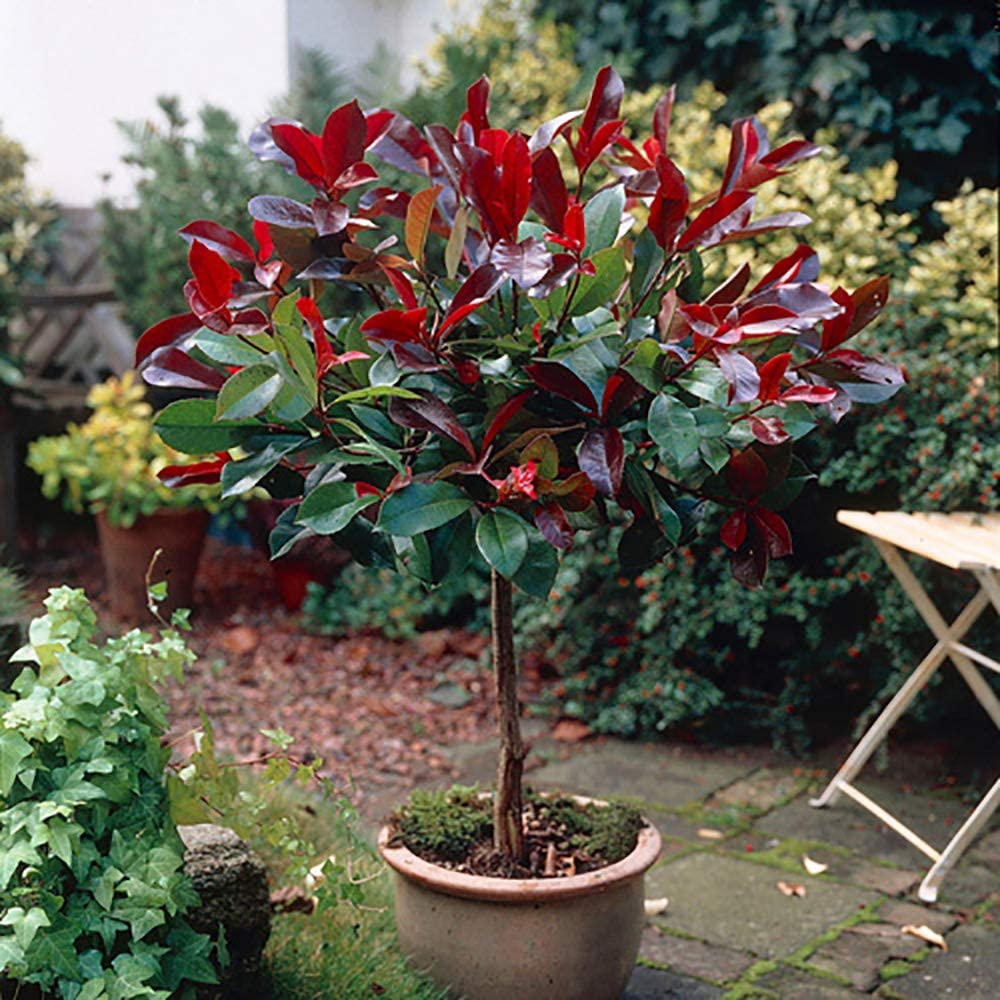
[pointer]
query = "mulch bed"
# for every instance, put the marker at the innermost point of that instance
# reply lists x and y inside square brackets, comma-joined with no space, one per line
[359,702]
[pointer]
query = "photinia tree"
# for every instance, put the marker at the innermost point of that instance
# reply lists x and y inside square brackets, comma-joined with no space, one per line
[532,342]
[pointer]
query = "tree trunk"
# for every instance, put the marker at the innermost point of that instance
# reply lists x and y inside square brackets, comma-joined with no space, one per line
[508,835]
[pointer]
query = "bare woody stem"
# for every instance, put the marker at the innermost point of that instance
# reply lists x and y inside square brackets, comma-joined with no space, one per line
[508,836]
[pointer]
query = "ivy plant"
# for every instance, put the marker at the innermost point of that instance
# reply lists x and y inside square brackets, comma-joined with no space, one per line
[92,891]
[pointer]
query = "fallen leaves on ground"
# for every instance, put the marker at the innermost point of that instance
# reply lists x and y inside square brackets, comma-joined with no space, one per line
[926,934]
[570,731]
[654,907]
[813,867]
[708,833]
[361,703]
[791,888]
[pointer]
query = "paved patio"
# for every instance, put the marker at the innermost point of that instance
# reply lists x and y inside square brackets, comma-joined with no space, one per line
[736,823]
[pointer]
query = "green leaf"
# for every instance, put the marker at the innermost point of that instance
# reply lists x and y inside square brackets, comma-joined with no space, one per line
[375,392]
[596,290]
[421,507]
[712,423]
[243,475]
[641,546]
[14,749]
[247,393]
[707,382]
[502,538]
[646,364]
[56,952]
[602,216]
[647,259]
[332,506]
[189,425]
[673,428]
[538,572]
[714,452]
[230,350]
[25,925]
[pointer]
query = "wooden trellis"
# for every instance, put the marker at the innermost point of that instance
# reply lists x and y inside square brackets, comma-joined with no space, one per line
[68,336]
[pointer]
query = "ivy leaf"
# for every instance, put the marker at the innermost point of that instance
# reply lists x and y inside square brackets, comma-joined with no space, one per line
[14,749]
[56,952]
[502,538]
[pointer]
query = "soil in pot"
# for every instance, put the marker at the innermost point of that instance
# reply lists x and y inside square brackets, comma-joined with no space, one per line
[453,828]
[126,554]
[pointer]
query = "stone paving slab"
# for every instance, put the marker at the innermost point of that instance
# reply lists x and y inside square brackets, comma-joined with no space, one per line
[787,983]
[662,775]
[858,954]
[736,904]
[968,970]
[760,791]
[655,984]
[902,913]
[692,957]
[847,824]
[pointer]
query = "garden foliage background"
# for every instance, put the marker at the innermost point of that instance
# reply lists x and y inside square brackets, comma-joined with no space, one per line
[903,95]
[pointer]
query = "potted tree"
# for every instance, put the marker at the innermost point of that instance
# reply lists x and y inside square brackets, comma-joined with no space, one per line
[110,466]
[549,349]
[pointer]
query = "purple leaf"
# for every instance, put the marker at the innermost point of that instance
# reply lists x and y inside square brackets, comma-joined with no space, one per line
[561,381]
[284,212]
[602,458]
[526,263]
[741,374]
[428,413]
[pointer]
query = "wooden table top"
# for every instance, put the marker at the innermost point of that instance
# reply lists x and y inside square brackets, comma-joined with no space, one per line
[960,540]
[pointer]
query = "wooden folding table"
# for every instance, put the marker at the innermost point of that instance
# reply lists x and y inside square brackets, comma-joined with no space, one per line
[964,542]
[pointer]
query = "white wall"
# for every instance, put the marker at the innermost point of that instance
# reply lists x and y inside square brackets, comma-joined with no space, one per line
[349,30]
[70,68]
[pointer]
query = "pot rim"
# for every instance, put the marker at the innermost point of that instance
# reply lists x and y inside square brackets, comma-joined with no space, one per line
[522,890]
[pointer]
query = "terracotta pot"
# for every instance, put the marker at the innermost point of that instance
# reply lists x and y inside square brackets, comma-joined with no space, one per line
[126,553]
[574,938]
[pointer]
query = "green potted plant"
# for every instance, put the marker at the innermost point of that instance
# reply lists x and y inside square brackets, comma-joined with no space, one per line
[111,466]
[549,350]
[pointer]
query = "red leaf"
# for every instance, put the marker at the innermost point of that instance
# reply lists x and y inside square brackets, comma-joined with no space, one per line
[549,197]
[401,283]
[264,242]
[670,204]
[345,136]
[804,393]
[551,521]
[173,368]
[771,374]
[734,531]
[504,415]
[324,352]
[575,492]
[730,213]
[869,300]
[802,264]
[428,413]
[661,118]
[208,471]
[526,263]
[354,176]
[602,458]
[166,332]
[620,391]
[749,141]
[776,534]
[604,104]
[515,179]
[395,325]
[213,276]
[472,293]
[477,100]
[304,149]
[741,374]
[543,136]
[768,430]
[561,381]
[746,474]
[223,241]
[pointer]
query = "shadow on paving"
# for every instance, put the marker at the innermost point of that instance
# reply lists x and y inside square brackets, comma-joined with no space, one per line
[736,823]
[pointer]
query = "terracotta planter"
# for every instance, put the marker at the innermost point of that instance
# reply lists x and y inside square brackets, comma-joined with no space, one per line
[573,938]
[126,553]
